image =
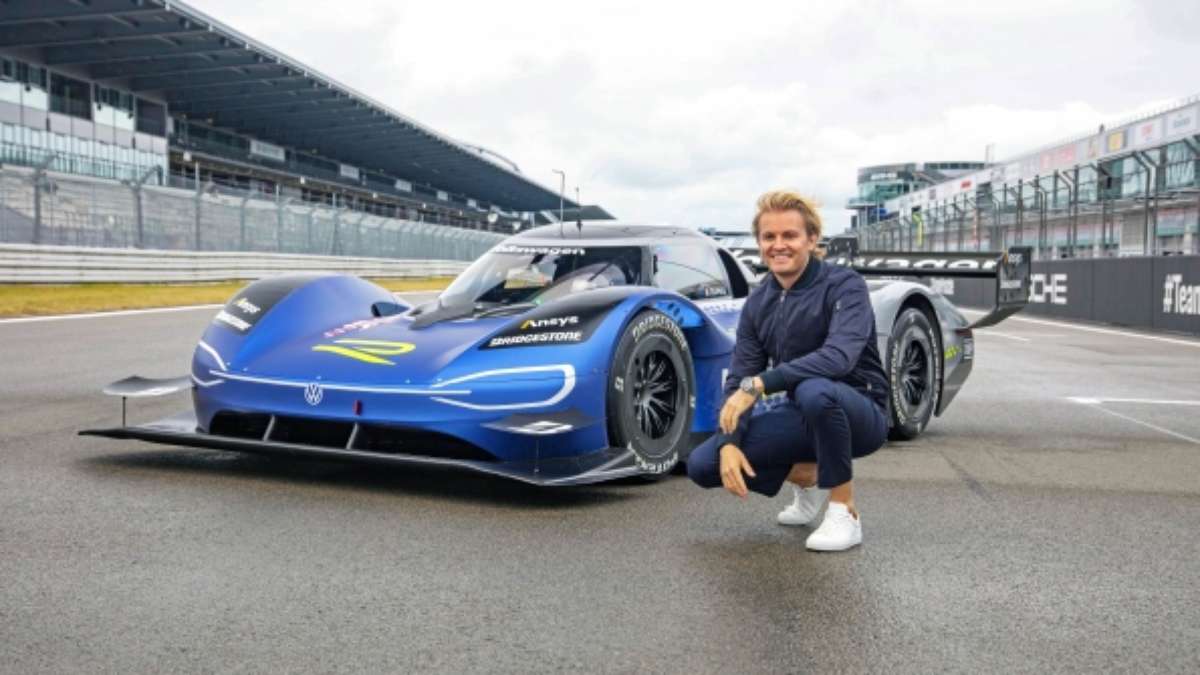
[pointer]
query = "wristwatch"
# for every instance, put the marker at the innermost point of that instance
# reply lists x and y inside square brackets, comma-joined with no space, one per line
[747,385]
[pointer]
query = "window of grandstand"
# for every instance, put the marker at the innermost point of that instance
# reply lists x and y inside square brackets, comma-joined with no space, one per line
[151,117]
[34,90]
[114,108]
[69,96]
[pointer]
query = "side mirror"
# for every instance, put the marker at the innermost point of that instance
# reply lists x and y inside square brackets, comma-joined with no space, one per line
[387,308]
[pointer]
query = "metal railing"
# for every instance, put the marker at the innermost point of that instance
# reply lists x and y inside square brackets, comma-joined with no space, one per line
[1147,208]
[24,263]
[38,206]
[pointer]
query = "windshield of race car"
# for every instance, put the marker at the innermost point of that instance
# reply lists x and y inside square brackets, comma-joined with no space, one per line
[513,274]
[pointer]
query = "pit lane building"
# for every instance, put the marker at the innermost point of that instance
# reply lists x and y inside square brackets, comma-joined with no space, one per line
[156,93]
[1129,188]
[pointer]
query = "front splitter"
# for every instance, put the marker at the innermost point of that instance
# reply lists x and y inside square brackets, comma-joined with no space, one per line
[181,430]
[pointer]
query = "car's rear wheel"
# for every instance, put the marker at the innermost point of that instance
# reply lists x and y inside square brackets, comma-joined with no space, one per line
[913,368]
[650,395]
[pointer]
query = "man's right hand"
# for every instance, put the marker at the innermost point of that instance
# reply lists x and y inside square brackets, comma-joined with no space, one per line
[733,464]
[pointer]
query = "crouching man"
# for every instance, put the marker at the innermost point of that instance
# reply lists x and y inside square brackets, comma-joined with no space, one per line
[807,330]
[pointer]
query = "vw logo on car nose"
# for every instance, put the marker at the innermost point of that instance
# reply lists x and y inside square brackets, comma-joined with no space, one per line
[313,393]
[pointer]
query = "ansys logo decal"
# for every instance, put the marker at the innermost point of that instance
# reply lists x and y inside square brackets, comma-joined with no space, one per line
[550,322]
[368,351]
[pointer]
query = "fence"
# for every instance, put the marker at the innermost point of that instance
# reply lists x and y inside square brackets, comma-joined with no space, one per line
[1132,206]
[1155,293]
[39,207]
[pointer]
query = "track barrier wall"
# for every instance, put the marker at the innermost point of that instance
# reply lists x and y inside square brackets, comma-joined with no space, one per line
[1160,293]
[23,263]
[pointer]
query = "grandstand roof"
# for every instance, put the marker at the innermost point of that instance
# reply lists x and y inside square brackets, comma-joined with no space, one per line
[206,70]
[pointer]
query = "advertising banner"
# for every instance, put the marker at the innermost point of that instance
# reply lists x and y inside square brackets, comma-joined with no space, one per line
[1115,142]
[1089,149]
[1064,156]
[1176,304]
[347,171]
[1141,292]
[1147,133]
[267,150]
[1181,122]
[1061,288]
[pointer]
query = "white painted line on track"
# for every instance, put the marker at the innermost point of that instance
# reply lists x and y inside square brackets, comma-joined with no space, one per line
[1148,425]
[1097,400]
[1093,329]
[988,331]
[105,315]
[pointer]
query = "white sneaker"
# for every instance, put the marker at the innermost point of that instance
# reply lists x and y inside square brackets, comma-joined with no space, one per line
[804,507]
[839,531]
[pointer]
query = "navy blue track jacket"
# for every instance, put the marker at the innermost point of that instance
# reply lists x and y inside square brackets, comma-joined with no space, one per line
[823,326]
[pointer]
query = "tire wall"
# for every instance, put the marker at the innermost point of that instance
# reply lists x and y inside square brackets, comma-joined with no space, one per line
[1161,293]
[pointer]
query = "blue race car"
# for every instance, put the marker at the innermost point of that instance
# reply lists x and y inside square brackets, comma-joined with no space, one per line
[565,355]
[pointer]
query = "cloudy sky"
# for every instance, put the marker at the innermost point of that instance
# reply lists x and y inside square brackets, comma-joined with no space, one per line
[685,112]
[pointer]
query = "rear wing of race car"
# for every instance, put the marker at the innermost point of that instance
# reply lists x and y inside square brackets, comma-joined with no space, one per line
[1011,270]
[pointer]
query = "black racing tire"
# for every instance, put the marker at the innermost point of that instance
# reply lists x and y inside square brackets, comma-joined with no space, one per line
[651,393]
[914,367]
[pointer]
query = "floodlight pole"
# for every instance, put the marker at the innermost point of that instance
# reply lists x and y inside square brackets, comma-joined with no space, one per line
[562,186]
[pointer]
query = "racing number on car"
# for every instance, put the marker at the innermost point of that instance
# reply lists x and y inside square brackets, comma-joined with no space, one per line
[367,351]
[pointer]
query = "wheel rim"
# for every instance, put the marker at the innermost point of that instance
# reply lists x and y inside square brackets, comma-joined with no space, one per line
[655,394]
[914,375]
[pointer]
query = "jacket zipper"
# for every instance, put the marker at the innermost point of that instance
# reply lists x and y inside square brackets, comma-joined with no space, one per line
[779,329]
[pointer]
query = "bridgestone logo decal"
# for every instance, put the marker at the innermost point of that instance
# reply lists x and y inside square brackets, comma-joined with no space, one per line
[658,321]
[536,338]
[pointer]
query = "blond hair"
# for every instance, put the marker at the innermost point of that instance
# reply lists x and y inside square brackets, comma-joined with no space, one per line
[786,200]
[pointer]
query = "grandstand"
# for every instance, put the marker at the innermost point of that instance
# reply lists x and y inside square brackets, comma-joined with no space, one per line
[879,183]
[147,123]
[1130,188]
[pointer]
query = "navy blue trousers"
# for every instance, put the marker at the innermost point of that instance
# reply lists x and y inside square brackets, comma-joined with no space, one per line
[825,422]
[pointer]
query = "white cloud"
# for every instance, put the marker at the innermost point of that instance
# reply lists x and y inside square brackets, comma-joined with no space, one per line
[686,112]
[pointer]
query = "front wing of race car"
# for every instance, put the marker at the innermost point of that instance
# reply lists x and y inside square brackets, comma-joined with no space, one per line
[535,439]
[532,413]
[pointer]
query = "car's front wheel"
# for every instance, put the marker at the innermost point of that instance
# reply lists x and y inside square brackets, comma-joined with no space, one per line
[650,395]
[913,368]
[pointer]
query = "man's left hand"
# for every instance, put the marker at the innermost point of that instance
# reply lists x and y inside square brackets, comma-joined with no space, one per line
[734,406]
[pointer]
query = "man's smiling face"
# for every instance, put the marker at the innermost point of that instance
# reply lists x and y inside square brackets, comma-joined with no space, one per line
[784,242]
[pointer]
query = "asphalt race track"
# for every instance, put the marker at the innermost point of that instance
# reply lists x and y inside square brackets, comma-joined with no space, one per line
[1025,531]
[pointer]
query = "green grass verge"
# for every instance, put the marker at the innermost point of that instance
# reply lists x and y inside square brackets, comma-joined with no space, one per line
[46,299]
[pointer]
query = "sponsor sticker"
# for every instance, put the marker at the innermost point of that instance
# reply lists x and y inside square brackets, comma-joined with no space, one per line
[539,250]
[232,321]
[550,322]
[246,306]
[364,324]
[551,337]
[367,351]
